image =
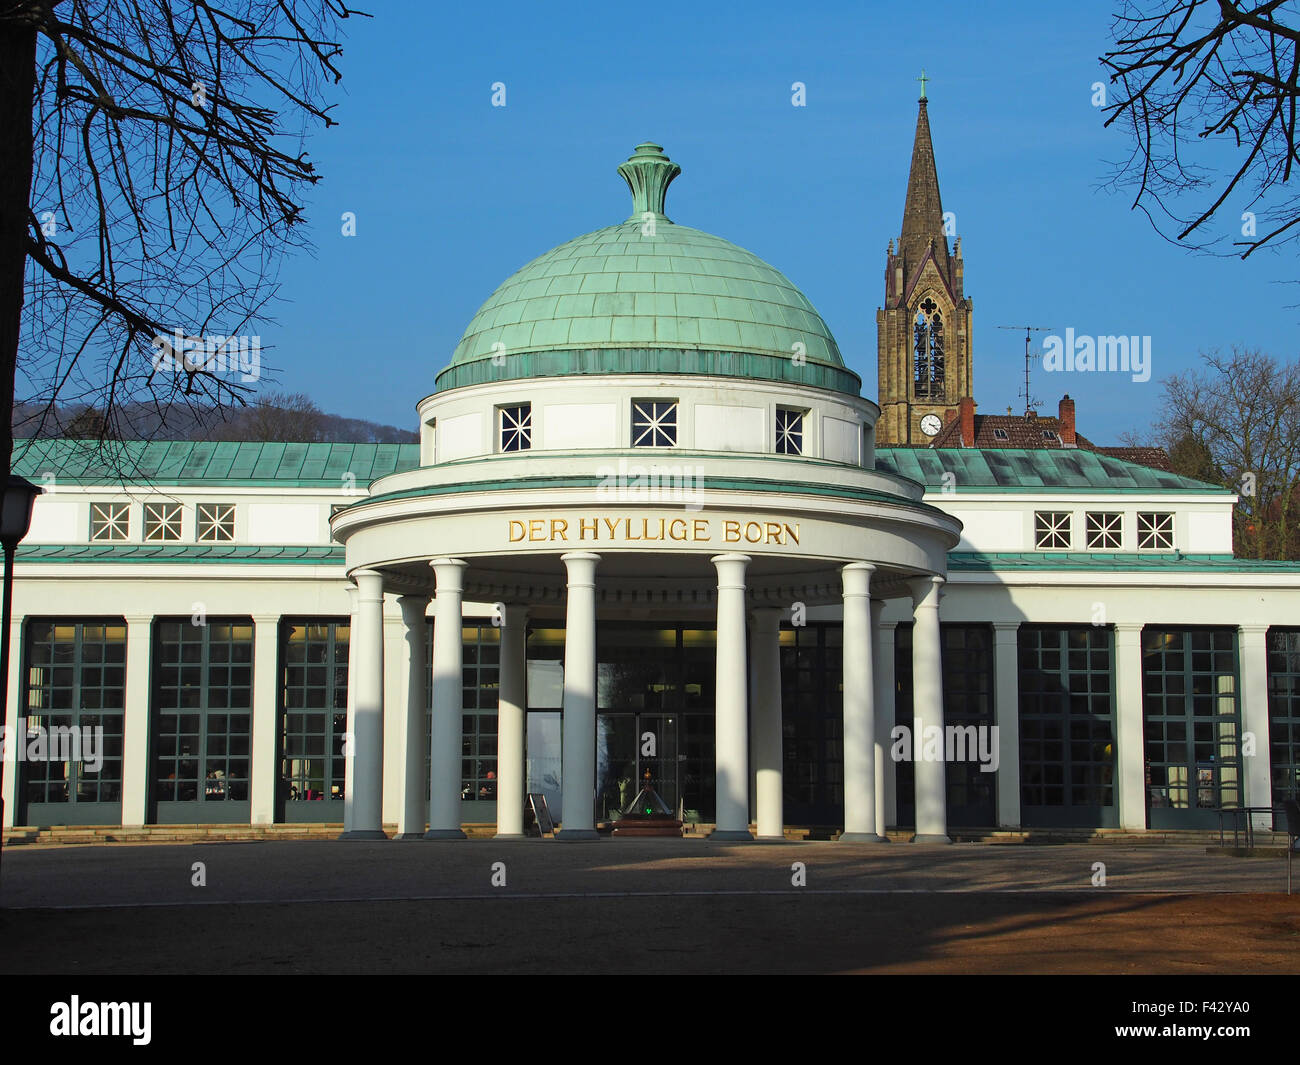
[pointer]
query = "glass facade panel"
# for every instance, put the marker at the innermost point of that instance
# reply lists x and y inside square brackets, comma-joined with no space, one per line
[73,698]
[313,719]
[1284,712]
[1192,726]
[202,719]
[812,724]
[1067,726]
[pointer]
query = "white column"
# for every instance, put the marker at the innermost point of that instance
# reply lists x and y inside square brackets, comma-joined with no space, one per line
[14,708]
[364,794]
[1258,786]
[266,706]
[1006,713]
[512,710]
[882,671]
[766,742]
[415,627]
[1130,752]
[135,724]
[448,702]
[860,824]
[578,742]
[731,725]
[927,714]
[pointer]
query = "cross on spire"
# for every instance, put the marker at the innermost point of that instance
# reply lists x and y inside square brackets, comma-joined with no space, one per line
[923,79]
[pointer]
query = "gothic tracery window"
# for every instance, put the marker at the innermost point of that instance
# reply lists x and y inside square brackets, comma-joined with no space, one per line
[928,347]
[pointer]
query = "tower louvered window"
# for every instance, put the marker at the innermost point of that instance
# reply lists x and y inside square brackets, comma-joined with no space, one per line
[929,352]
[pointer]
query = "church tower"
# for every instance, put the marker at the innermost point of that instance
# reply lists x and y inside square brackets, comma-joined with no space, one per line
[923,332]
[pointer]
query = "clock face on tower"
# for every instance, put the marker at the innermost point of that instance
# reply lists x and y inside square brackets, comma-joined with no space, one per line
[931,424]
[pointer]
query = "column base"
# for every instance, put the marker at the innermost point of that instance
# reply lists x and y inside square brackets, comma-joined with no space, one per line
[409,835]
[577,835]
[731,835]
[509,835]
[929,838]
[364,833]
[861,837]
[444,833]
[771,839]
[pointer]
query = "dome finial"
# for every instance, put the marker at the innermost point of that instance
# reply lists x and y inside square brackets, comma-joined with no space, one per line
[648,172]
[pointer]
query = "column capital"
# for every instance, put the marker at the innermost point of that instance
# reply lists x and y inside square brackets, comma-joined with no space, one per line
[513,614]
[1127,627]
[449,575]
[1253,628]
[857,579]
[266,619]
[1009,627]
[580,568]
[731,570]
[130,619]
[369,584]
[414,608]
[926,591]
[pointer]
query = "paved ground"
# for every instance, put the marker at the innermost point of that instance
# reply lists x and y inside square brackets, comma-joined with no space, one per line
[623,906]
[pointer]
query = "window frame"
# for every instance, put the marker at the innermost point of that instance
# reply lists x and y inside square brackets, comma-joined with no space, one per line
[114,516]
[162,517]
[523,427]
[655,425]
[801,415]
[217,521]
[1103,530]
[1165,526]
[1053,528]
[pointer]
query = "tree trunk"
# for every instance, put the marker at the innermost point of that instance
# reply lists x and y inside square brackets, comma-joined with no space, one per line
[17,91]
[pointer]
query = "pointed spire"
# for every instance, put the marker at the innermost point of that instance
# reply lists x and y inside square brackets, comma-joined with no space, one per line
[923,211]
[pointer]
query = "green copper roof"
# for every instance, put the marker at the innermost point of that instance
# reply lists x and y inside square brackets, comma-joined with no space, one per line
[647,283]
[320,555]
[974,561]
[185,462]
[1018,469]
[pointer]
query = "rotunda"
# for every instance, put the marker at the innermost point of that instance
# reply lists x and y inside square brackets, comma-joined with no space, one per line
[647,422]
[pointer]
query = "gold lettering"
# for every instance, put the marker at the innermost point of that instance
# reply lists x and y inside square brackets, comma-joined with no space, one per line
[773,532]
[672,529]
[731,532]
[758,531]
[516,531]
[563,527]
[793,533]
[583,525]
[700,529]
[535,529]
[627,530]
[612,525]
[645,530]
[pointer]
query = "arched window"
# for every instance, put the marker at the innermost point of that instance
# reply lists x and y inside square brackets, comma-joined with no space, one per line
[928,349]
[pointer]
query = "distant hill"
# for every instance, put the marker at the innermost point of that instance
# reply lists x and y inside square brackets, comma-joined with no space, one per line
[277,417]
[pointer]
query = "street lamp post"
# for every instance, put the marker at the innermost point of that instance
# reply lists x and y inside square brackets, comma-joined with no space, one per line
[15,519]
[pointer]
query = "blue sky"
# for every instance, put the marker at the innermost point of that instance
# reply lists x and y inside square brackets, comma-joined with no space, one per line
[452,195]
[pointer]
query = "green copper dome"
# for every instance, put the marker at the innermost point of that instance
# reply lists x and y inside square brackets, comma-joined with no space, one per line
[648,296]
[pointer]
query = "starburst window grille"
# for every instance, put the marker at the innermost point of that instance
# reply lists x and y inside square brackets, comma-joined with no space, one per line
[215,522]
[1052,529]
[1155,532]
[1104,531]
[654,423]
[110,522]
[162,521]
[517,427]
[789,431]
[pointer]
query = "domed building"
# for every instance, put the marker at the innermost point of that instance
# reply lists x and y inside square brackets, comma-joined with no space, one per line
[647,430]
[653,536]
